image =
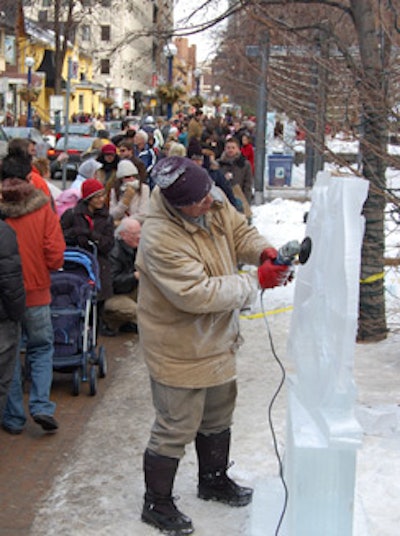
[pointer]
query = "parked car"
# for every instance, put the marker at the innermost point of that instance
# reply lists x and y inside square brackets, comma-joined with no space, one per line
[77,129]
[3,143]
[42,143]
[76,148]
[135,121]
[113,127]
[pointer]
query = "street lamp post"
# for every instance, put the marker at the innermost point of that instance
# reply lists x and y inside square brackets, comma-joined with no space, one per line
[197,75]
[29,62]
[217,89]
[170,51]
[108,94]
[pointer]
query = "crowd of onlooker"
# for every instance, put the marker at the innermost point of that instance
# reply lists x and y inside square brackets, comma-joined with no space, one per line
[105,205]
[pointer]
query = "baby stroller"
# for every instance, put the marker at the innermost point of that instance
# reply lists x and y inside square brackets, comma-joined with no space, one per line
[74,317]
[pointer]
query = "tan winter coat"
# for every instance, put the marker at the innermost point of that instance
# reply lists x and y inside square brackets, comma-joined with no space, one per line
[190,292]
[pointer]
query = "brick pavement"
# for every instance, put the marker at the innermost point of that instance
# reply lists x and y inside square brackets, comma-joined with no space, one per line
[29,462]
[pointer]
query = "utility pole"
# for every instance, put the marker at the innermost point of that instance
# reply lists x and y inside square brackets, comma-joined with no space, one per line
[261,51]
[66,122]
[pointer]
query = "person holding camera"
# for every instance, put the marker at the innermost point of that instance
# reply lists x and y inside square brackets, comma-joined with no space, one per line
[129,195]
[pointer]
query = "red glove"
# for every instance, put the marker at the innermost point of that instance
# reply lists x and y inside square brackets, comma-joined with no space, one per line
[268,253]
[272,275]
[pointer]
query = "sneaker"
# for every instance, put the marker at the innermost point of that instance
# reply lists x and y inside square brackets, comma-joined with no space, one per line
[12,431]
[129,327]
[105,331]
[47,422]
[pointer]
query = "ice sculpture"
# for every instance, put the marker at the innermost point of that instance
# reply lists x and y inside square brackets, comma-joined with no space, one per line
[322,432]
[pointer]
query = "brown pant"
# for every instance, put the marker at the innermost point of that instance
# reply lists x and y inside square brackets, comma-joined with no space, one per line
[120,309]
[182,413]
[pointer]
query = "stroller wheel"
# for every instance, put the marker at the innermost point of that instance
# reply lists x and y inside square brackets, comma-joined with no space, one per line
[92,380]
[102,362]
[76,382]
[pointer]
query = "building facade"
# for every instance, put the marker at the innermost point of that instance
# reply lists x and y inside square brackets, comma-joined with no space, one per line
[115,47]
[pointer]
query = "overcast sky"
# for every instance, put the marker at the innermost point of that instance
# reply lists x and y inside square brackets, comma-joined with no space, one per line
[205,41]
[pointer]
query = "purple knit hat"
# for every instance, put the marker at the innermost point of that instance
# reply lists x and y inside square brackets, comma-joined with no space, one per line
[181,181]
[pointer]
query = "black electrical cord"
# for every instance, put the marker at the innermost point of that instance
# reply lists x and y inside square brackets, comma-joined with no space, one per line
[271,425]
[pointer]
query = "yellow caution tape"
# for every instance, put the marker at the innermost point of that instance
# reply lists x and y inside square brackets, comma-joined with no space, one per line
[372,278]
[267,313]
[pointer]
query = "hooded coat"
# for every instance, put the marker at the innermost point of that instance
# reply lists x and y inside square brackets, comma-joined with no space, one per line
[190,292]
[40,240]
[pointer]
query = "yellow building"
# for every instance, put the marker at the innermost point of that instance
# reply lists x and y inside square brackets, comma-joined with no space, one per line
[27,74]
[84,95]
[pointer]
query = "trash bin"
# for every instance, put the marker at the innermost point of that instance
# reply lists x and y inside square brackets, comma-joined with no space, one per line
[280,169]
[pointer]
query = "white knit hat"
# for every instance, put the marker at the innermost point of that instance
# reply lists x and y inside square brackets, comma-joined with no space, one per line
[126,169]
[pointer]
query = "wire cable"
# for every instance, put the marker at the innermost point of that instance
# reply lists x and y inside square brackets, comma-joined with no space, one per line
[271,424]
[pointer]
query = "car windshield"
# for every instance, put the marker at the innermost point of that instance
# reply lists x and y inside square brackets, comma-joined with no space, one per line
[113,125]
[3,135]
[17,132]
[77,143]
[77,129]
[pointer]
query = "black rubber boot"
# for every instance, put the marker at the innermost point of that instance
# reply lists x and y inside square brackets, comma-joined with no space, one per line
[214,483]
[159,509]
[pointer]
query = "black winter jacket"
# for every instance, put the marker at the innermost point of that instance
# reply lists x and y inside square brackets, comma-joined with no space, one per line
[241,170]
[12,292]
[122,259]
[80,227]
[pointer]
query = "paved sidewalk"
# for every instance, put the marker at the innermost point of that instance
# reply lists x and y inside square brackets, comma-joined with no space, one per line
[30,461]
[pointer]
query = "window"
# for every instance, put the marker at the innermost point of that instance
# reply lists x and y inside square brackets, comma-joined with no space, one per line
[106,3]
[42,15]
[46,3]
[85,32]
[105,33]
[155,14]
[81,103]
[105,66]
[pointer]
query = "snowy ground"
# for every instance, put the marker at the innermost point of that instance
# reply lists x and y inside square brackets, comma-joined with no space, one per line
[99,491]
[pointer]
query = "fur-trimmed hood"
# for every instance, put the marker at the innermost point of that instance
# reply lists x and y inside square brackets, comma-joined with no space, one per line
[19,197]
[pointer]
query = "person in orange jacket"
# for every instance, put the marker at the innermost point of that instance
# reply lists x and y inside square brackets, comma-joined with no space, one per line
[41,245]
[25,147]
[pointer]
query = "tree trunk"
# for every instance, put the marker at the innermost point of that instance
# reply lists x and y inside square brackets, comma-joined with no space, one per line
[58,59]
[372,318]
[62,33]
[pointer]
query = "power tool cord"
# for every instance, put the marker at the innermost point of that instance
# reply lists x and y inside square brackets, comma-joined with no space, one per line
[271,425]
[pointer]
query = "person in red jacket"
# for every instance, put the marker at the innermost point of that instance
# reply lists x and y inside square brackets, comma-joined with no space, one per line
[247,150]
[41,245]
